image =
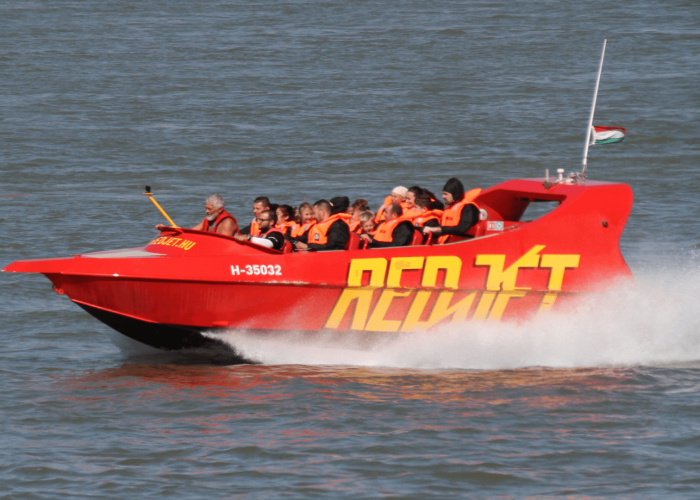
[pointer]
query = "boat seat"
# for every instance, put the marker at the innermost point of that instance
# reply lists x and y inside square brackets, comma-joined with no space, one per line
[417,238]
[354,241]
[478,229]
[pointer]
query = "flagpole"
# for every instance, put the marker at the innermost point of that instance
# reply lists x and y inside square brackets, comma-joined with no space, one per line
[590,118]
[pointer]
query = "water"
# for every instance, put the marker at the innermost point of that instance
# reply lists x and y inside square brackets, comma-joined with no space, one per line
[302,100]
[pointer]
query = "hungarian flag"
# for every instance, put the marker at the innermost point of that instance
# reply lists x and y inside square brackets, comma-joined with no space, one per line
[607,135]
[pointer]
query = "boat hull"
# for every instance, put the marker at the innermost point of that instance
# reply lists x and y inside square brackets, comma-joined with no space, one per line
[186,282]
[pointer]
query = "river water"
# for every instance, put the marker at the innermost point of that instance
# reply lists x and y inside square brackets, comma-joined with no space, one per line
[300,100]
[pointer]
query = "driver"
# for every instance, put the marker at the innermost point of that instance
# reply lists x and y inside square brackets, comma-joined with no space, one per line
[217,219]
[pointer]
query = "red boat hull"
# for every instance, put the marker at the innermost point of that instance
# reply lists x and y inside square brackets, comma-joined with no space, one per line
[185,281]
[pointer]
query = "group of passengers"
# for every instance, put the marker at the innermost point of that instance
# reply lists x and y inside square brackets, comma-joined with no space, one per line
[327,225]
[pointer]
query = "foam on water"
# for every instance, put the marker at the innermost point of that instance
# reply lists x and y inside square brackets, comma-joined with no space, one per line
[654,323]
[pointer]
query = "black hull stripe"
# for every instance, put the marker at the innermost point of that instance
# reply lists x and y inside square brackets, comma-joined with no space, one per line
[165,337]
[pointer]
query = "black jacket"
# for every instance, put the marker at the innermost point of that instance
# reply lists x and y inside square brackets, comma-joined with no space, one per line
[468,217]
[400,237]
[338,235]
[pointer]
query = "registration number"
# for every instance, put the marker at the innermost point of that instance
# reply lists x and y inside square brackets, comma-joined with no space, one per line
[257,270]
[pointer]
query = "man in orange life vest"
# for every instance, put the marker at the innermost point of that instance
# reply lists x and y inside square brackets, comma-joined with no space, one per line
[461,213]
[331,232]
[398,195]
[270,237]
[260,204]
[217,219]
[394,232]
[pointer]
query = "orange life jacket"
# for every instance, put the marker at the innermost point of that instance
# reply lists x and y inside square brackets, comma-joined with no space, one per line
[318,234]
[285,226]
[355,227]
[452,214]
[254,228]
[410,214]
[299,229]
[211,226]
[385,232]
[427,216]
[387,201]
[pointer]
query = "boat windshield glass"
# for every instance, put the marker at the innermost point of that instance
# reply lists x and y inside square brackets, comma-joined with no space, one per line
[538,208]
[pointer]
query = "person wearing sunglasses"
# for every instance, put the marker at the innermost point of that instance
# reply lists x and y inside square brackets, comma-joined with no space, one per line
[270,236]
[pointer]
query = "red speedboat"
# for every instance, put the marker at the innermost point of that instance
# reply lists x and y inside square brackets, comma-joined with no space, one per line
[185,282]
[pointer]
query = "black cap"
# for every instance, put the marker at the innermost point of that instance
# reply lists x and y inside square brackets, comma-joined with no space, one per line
[340,204]
[455,188]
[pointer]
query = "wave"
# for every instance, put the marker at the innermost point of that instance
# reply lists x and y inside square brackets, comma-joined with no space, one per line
[655,323]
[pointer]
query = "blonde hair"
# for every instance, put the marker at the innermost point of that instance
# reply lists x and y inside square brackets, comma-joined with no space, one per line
[365,216]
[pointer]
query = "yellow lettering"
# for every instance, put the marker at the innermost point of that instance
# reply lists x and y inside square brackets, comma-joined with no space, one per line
[412,320]
[441,311]
[376,267]
[499,306]
[558,264]
[482,308]
[548,301]
[500,279]
[452,266]
[397,266]
[363,296]
[377,323]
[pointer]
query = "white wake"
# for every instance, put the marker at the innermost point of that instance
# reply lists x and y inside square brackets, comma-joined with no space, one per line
[657,322]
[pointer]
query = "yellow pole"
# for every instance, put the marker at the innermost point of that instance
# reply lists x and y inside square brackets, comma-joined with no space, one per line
[150,196]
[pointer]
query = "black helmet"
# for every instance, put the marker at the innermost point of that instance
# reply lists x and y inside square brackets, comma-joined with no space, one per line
[455,187]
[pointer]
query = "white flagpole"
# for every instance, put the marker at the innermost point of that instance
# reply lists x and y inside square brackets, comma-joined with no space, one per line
[590,119]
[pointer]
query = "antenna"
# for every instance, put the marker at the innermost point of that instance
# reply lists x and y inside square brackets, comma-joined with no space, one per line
[590,119]
[150,197]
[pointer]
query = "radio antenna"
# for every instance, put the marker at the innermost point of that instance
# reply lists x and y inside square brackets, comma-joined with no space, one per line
[590,118]
[150,197]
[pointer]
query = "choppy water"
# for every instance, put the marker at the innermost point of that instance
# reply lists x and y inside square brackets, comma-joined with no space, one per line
[302,100]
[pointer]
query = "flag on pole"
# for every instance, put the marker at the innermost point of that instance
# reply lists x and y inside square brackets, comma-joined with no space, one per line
[607,135]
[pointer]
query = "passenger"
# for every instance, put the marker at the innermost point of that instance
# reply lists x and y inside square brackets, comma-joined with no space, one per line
[217,219]
[359,204]
[270,237]
[300,231]
[394,232]
[410,211]
[398,195]
[331,232]
[260,204]
[355,210]
[435,204]
[461,213]
[367,222]
[284,218]
[340,205]
[426,216]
